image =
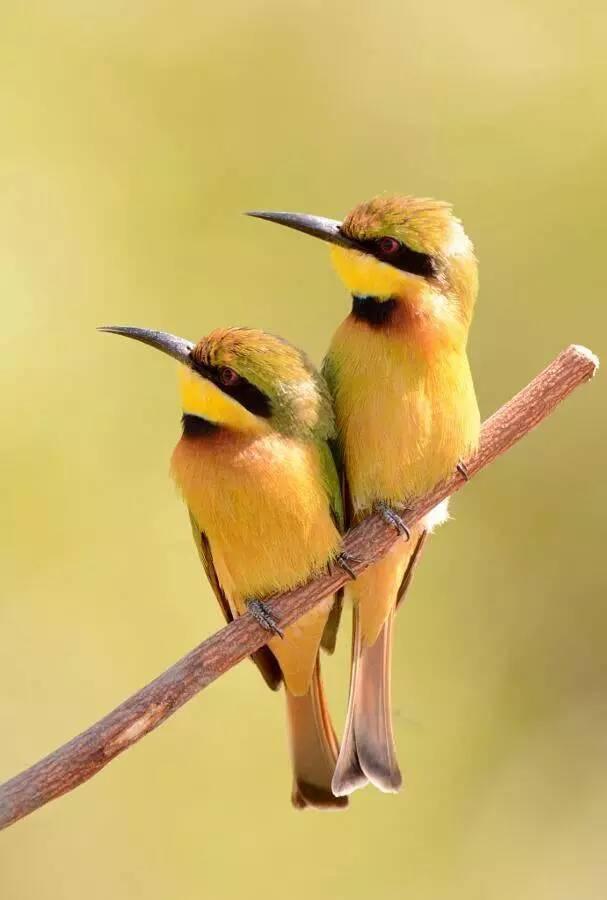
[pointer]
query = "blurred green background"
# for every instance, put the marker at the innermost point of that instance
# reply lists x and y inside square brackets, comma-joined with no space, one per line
[133,136]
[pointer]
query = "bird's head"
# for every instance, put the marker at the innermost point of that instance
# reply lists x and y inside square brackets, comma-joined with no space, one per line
[243,380]
[399,248]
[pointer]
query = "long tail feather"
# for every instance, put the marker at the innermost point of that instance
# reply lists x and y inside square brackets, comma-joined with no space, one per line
[349,776]
[368,753]
[314,748]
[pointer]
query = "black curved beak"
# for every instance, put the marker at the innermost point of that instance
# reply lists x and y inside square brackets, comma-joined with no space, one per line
[174,346]
[326,229]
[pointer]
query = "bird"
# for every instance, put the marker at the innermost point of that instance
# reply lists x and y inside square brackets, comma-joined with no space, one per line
[407,417]
[255,470]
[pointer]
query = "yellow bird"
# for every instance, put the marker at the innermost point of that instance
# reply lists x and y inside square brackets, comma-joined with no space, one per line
[256,472]
[406,415]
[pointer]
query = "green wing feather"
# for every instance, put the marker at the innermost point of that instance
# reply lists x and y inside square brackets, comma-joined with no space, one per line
[331,478]
[332,484]
[263,658]
[333,471]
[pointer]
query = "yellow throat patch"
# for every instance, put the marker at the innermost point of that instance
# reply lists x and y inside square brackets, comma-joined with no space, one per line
[368,277]
[200,397]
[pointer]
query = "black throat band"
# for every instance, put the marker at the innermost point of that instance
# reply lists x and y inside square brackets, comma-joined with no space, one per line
[195,426]
[373,311]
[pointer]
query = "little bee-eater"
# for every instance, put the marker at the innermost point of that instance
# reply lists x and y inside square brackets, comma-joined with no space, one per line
[254,467]
[406,415]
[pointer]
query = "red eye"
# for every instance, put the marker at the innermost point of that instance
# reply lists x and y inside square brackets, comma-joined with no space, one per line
[228,376]
[388,246]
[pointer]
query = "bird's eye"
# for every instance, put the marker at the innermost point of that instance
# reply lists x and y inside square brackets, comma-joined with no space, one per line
[388,246]
[228,377]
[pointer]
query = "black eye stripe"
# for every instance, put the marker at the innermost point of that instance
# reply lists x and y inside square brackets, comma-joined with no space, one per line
[249,396]
[405,259]
[242,391]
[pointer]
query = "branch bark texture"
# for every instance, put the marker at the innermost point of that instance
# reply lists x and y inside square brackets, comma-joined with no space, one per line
[88,753]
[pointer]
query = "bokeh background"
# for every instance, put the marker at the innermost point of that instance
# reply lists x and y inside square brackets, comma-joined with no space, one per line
[133,136]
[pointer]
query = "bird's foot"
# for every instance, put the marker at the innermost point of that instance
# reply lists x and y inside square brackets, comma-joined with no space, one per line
[344,561]
[462,468]
[392,518]
[263,616]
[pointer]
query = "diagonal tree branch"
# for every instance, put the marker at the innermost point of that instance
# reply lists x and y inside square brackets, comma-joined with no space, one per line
[84,756]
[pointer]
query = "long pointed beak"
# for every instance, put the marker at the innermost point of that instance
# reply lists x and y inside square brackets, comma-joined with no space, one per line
[176,347]
[325,229]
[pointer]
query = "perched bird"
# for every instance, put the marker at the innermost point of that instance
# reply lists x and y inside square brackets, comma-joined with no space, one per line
[256,472]
[406,415]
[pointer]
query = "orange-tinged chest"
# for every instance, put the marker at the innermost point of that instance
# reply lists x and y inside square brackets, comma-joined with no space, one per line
[263,506]
[406,414]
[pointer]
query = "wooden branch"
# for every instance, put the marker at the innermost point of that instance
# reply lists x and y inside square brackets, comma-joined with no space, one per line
[84,756]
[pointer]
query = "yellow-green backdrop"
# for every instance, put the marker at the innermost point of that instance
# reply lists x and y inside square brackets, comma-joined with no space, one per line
[133,135]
